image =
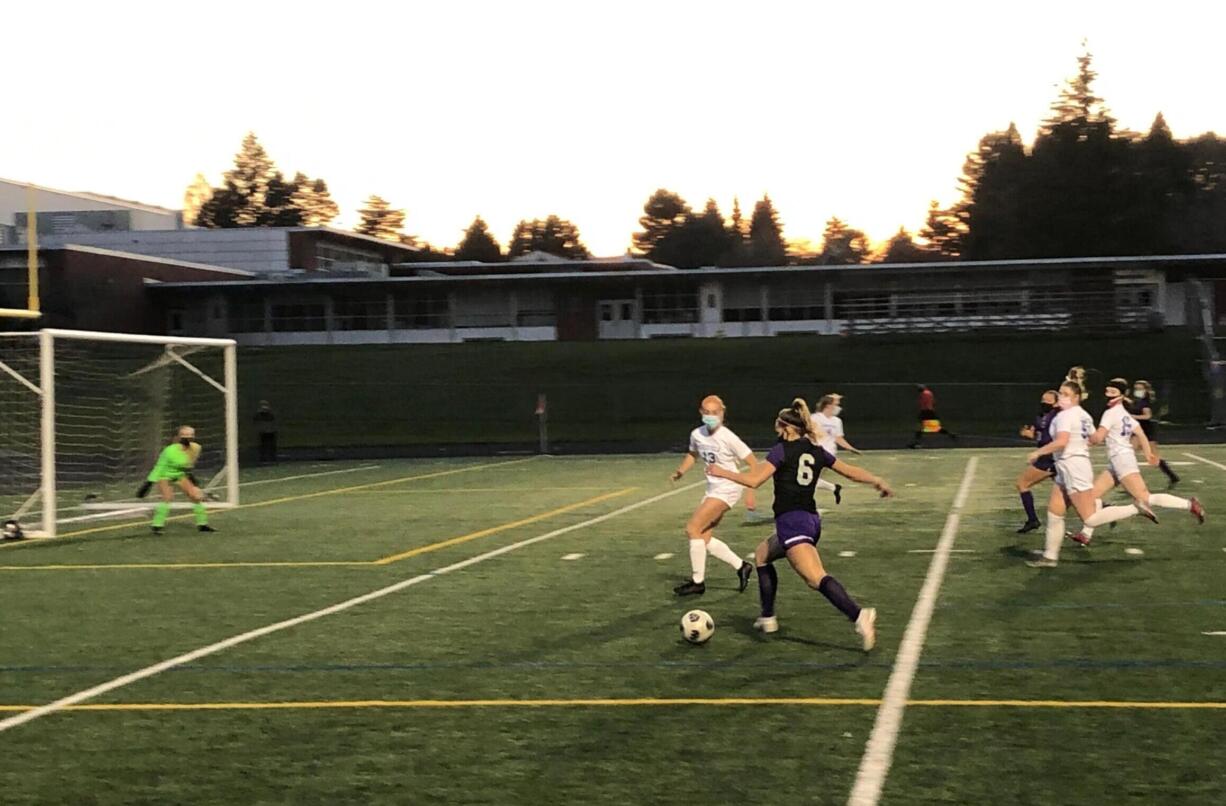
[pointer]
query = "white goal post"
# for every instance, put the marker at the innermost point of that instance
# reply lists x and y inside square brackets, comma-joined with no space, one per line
[83,416]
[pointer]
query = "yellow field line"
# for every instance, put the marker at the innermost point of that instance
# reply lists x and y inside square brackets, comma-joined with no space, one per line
[404,555]
[618,703]
[304,496]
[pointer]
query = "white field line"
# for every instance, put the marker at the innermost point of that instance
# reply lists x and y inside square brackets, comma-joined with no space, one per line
[251,635]
[1218,465]
[879,751]
[309,475]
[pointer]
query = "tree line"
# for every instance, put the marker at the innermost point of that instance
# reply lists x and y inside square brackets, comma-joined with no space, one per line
[1083,187]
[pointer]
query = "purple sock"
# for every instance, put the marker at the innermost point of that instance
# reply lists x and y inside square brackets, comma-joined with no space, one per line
[768,583]
[1028,505]
[832,590]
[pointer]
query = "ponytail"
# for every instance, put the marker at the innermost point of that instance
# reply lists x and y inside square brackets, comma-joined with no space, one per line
[797,416]
[1076,377]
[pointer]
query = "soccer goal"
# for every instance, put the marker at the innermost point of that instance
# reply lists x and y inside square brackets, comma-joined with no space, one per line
[84,415]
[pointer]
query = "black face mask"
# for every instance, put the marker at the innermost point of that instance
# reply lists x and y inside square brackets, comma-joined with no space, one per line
[1045,407]
[185,442]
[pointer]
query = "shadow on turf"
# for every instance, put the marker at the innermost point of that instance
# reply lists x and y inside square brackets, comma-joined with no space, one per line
[744,626]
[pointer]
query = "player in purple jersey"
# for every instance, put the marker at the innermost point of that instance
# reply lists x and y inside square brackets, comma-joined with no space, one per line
[1044,467]
[795,463]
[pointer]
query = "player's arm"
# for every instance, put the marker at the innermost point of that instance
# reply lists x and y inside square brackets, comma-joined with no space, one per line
[842,442]
[1147,449]
[1027,431]
[754,478]
[685,465]
[159,470]
[863,476]
[1057,444]
[1146,414]
[1099,436]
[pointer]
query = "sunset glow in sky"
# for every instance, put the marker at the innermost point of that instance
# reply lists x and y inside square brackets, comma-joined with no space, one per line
[517,110]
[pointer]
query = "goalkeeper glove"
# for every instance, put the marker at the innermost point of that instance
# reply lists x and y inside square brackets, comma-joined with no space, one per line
[144,489]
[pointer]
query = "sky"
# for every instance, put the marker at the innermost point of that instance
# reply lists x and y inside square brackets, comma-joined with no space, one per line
[512,110]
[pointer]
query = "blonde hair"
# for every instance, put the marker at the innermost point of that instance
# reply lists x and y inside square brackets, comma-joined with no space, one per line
[1149,389]
[797,416]
[1076,377]
[830,398]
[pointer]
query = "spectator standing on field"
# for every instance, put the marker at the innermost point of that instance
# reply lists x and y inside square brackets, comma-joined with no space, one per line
[266,427]
[929,422]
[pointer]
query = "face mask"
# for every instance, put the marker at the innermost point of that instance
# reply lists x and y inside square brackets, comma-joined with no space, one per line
[838,410]
[185,442]
[1138,393]
[1045,407]
[1066,402]
[710,420]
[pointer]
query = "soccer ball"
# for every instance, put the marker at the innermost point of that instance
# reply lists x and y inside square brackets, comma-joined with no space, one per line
[12,530]
[697,626]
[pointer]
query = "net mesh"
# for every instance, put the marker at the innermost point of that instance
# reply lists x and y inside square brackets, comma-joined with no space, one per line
[116,405]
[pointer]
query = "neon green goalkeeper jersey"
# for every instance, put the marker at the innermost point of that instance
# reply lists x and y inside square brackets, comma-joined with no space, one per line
[174,462]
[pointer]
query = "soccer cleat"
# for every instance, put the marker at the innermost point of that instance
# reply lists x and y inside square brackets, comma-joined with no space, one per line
[754,516]
[838,493]
[1080,538]
[690,588]
[766,624]
[743,574]
[1041,562]
[1197,510]
[205,528]
[1029,526]
[157,530]
[866,627]
[1145,511]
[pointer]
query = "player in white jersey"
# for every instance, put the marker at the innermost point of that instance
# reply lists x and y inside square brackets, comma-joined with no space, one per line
[715,444]
[1118,429]
[829,427]
[1070,444]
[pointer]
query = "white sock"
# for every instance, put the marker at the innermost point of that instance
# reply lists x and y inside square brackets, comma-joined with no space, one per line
[720,551]
[1169,501]
[1055,536]
[822,484]
[698,560]
[1110,515]
[1086,529]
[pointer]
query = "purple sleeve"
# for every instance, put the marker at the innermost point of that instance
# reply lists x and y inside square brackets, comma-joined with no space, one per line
[826,459]
[775,457]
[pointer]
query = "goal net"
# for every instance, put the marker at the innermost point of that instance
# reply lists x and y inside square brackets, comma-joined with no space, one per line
[84,415]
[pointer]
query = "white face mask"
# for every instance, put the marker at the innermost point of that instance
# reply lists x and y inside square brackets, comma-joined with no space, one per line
[1138,393]
[837,411]
[711,421]
[1067,402]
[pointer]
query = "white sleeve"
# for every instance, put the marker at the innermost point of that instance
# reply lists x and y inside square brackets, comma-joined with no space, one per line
[838,426]
[1062,423]
[693,443]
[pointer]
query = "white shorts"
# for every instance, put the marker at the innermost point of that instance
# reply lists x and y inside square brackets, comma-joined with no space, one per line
[1075,474]
[1123,464]
[727,491]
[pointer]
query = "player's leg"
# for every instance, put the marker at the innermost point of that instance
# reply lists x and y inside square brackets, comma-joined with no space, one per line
[764,556]
[161,510]
[722,551]
[808,564]
[1135,485]
[199,511]
[1029,478]
[1102,485]
[1171,476]
[831,487]
[1057,506]
[698,529]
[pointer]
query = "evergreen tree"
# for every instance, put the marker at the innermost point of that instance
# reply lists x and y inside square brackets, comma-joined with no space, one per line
[902,248]
[943,231]
[990,212]
[766,244]
[843,245]
[553,235]
[197,193]
[478,243]
[315,201]
[379,220]
[663,214]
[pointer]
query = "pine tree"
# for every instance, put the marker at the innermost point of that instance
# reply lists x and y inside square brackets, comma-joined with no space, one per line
[379,220]
[315,201]
[943,231]
[664,213]
[843,245]
[553,235]
[766,244]
[478,243]
[194,198]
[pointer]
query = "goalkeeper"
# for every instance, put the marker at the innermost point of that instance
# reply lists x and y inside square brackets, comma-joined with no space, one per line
[174,466]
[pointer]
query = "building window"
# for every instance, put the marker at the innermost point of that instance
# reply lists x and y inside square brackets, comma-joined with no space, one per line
[669,306]
[335,258]
[298,317]
[359,314]
[859,305]
[247,316]
[422,311]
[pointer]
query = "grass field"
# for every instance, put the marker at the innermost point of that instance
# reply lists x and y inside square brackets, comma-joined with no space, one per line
[553,672]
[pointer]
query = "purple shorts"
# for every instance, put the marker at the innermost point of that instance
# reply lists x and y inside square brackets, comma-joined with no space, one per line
[794,528]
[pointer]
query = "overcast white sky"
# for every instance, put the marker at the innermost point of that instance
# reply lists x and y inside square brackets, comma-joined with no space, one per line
[519,109]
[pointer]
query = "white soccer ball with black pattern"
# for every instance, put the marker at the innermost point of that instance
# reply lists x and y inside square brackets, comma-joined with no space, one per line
[12,530]
[697,626]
